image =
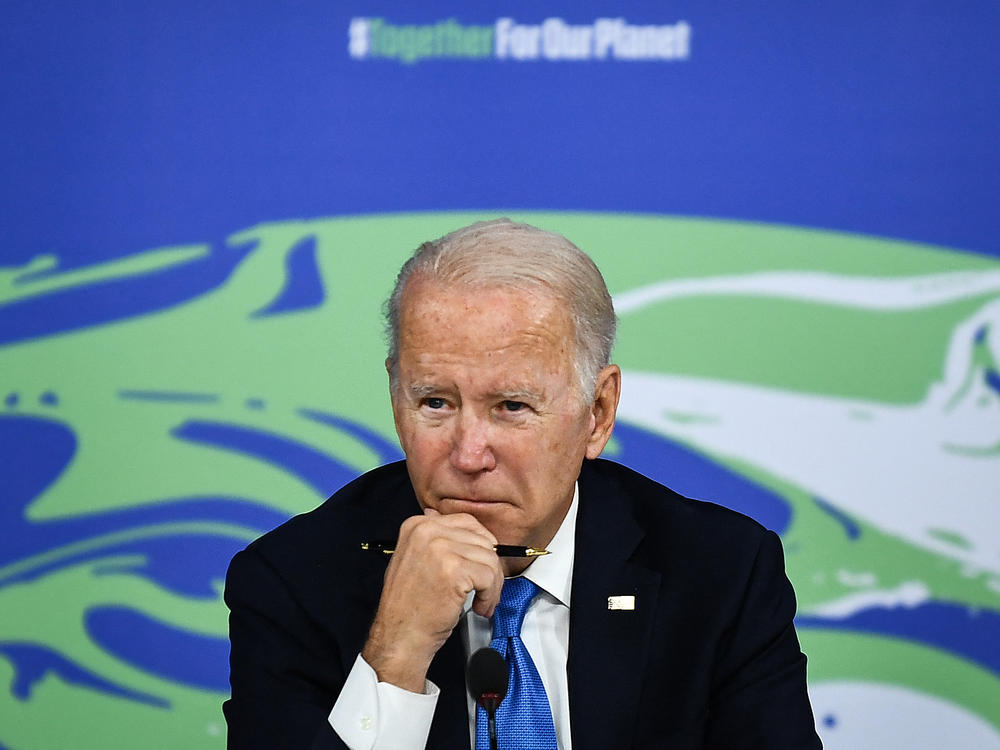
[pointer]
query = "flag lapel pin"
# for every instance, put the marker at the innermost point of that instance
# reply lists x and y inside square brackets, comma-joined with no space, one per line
[621,602]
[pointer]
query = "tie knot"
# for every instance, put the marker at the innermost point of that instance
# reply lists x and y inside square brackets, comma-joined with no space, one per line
[515,597]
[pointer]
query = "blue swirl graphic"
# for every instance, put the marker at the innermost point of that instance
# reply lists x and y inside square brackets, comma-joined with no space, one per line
[144,541]
[956,628]
[695,475]
[33,662]
[78,307]
[303,287]
[178,655]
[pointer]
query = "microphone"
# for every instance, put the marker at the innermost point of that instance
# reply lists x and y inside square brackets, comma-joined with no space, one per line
[487,679]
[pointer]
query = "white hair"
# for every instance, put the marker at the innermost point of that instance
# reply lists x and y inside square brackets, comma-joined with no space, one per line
[502,253]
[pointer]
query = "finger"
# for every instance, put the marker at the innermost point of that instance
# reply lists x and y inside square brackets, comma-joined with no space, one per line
[429,526]
[465,521]
[470,566]
[483,574]
[420,532]
[487,598]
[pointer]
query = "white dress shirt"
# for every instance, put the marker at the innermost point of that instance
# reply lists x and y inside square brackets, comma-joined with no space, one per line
[373,715]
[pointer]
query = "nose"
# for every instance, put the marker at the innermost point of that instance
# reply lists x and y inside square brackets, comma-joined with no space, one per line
[471,451]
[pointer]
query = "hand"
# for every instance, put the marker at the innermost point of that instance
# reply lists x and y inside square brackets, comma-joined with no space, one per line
[438,560]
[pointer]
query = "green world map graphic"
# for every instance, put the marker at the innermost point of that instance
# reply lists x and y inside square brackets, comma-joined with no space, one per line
[842,389]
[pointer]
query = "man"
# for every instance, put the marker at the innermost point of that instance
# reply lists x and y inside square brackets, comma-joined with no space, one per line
[659,622]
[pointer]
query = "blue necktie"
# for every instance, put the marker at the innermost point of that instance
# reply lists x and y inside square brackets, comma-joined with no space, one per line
[524,718]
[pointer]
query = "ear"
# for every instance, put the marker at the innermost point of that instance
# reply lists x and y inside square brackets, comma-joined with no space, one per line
[604,408]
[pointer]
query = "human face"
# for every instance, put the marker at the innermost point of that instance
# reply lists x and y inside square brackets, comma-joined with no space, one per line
[488,409]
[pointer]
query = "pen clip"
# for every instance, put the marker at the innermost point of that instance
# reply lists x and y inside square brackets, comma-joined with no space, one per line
[383,547]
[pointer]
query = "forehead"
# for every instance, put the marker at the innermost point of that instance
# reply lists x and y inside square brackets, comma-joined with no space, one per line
[443,319]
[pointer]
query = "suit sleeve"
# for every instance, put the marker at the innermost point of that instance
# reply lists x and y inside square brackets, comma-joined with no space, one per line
[285,673]
[759,698]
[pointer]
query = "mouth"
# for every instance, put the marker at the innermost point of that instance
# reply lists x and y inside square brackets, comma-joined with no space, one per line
[469,502]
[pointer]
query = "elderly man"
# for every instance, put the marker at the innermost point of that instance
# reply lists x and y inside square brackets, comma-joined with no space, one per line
[654,621]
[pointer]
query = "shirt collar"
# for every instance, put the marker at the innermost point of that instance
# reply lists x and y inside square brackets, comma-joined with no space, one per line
[553,573]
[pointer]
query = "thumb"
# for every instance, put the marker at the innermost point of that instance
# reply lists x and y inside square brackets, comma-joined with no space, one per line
[431,512]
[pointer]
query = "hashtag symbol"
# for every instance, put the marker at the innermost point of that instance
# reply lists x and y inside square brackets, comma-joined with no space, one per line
[359,32]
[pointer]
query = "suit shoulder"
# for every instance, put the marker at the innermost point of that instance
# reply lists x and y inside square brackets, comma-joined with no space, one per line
[657,507]
[341,519]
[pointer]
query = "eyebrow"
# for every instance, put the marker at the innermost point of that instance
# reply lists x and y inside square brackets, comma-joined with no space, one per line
[520,395]
[423,390]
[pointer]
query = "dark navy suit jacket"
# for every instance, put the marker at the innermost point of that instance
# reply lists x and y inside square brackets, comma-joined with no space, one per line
[707,659]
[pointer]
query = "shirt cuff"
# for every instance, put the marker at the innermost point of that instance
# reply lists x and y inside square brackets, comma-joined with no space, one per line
[373,715]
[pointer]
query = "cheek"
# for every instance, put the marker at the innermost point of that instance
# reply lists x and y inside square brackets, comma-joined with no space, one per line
[553,453]
[424,447]
[570,436]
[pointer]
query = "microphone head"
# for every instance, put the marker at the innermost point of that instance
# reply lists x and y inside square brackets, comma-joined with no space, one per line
[487,674]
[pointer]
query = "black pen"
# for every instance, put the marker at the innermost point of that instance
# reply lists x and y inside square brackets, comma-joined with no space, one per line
[502,550]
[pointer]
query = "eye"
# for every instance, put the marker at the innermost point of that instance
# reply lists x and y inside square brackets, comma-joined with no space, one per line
[434,402]
[514,405]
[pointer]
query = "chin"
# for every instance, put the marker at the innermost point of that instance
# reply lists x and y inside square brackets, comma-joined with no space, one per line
[497,516]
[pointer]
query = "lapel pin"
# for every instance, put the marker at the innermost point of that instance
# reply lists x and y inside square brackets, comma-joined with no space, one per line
[621,602]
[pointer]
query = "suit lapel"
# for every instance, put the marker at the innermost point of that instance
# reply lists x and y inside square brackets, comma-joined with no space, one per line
[607,648]
[450,728]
